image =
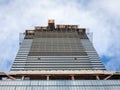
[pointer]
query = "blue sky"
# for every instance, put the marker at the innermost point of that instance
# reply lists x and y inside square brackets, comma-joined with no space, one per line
[102,17]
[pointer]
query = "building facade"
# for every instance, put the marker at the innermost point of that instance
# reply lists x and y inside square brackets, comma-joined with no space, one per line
[60,47]
[58,57]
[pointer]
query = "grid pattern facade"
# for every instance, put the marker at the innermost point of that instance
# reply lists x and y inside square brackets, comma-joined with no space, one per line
[61,85]
[57,47]
[21,57]
[92,54]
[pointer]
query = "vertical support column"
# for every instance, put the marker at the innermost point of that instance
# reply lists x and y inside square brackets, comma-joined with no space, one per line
[72,77]
[48,77]
[23,77]
[97,77]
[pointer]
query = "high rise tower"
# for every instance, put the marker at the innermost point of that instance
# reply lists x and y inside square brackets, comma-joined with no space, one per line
[60,47]
[58,57]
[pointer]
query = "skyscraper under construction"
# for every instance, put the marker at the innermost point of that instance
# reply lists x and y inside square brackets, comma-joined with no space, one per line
[61,47]
[62,54]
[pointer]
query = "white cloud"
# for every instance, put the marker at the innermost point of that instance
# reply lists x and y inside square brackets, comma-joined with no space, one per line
[108,18]
[101,17]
